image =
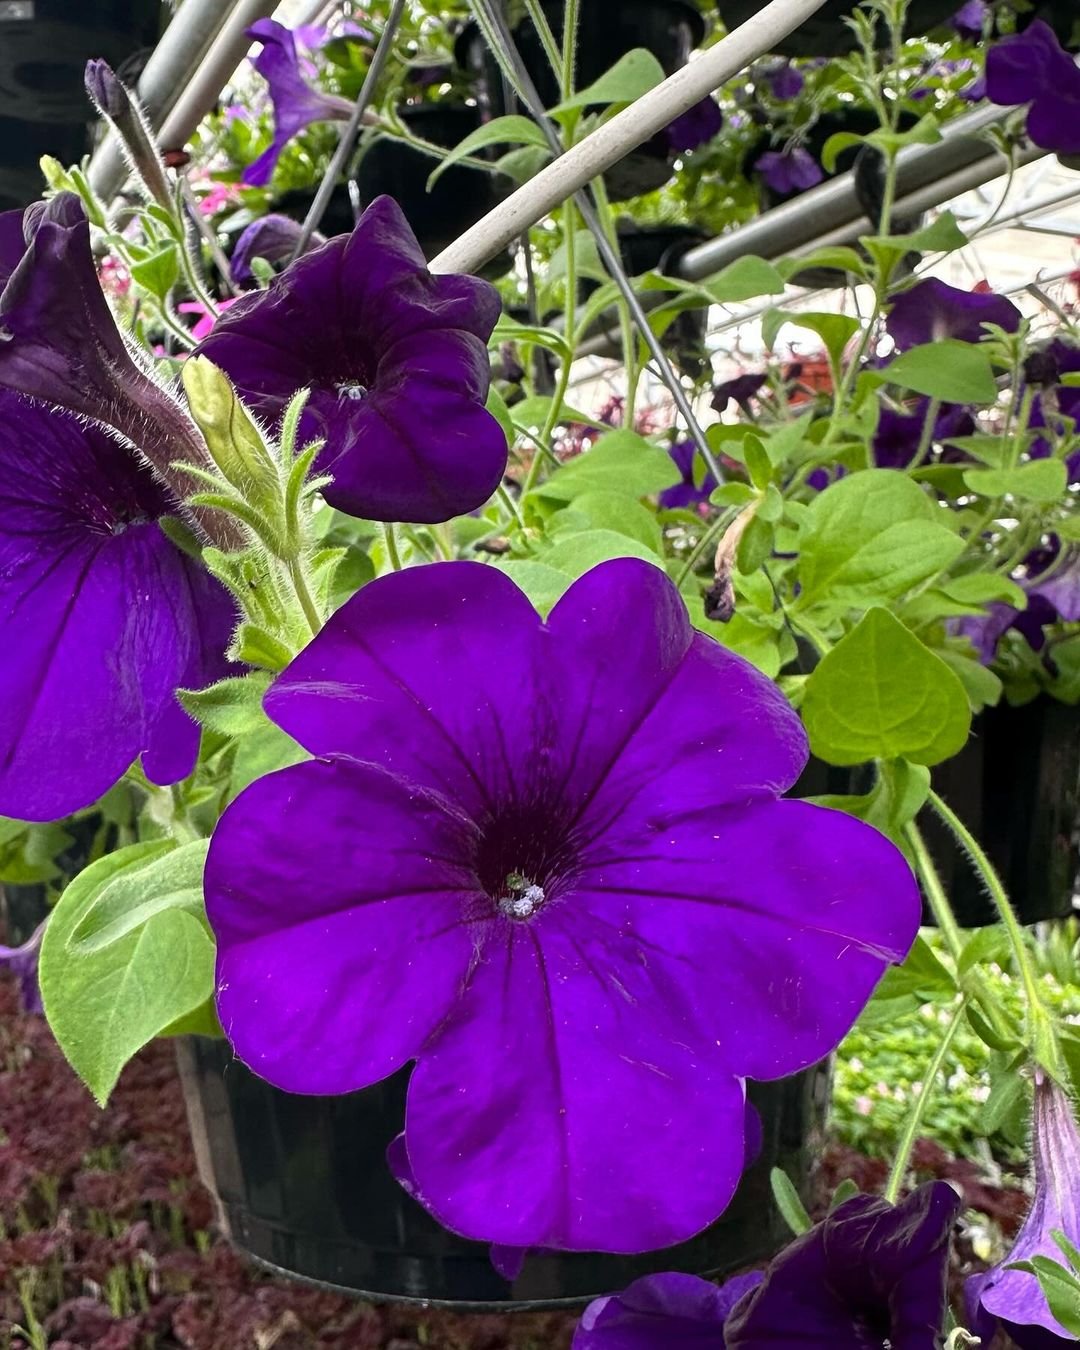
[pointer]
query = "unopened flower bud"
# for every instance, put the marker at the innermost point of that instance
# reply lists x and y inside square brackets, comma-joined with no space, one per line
[236,444]
[106,92]
[115,101]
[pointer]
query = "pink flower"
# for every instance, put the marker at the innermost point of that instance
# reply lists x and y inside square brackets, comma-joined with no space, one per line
[203,326]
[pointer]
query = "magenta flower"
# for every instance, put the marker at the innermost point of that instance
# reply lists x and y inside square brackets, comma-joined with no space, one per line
[871,1275]
[932,310]
[548,862]
[1013,1297]
[22,962]
[273,237]
[397,363]
[102,619]
[789,171]
[1032,67]
[296,104]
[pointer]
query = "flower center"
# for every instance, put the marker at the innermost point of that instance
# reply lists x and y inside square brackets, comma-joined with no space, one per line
[525,858]
[523,897]
[353,390]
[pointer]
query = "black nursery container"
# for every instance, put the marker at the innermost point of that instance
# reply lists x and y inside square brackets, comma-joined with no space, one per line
[45,45]
[1016,786]
[669,29]
[302,1186]
[826,34]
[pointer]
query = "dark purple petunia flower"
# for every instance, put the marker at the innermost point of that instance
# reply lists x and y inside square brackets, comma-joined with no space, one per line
[897,436]
[60,346]
[1032,67]
[1054,401]
[1014,1298]
[741,390]
[787,171]
[273,237]
[101,616]
[397,363]
[785,80]
[1053,596]
[696,127]
[969,21]
[296,104]
[549,863]
[686,494]
[662,1312]
[932,310]
[22,962]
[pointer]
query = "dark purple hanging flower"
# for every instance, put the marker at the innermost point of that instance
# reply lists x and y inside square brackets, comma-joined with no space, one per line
[932,310]
[547,862]
[1032,67]
[296,104]
[102,619]
[1054,401]
[22,962]
[785,80]
[695,127]
[788,171]
[740,390]
[870,1275]
[397,363]
[897,436]
[969,21]
[273,237]
[1053,596]
[686,494]
[1014,1298]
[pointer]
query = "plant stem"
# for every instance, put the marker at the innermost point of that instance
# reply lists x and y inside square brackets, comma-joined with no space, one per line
[928,428]
[303,594]
[918,1112]
[511,506]
[392,553]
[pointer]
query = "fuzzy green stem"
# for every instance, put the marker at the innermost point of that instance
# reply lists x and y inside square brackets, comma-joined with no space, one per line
[392,553]
[303,594]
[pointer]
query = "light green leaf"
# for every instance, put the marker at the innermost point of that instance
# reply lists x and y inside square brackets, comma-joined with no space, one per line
[544,585]
[835,330]
[840,258]
[512,130]
[232,707]
[631,76]
[955,372]
[982,686]
[744,279]
[105,1005]
[509,330]
[942,235]
[135,895]
[1040,480]
[835,146]
[261,752]
[615,511]
[158,273]
[577,554]
[899,793]
[496,406]
[620,461]
[880,694]
[789,1202]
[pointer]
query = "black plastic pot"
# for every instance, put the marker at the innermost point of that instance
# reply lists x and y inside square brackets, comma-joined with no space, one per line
[826,34]
[459,198]
[303,1187]
[1016,786]
[45,45]
[607,30]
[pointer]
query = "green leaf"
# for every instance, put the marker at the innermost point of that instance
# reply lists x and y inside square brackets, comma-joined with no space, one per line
[261,752]
[835,330]
[835,146]
[896,798]
[521,165]
[135,895]
[789,1202]
[757,462]
[158,273]
[982,588]
[232,707]
[922,977]
[614,511]
[869,536]
[982,686]
[511,130]
[105,1005]
[577,554]
[509,330]
[1060,1287]
[496,406]
[544,585]
[631,76]
[847,1190]
[986,1032]
[620,461]
[840,258]
[1040,480]
[880,694]
[955,372]
[942,235]
[744,279]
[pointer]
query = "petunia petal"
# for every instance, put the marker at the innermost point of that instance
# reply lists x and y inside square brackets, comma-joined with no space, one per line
[663,1312]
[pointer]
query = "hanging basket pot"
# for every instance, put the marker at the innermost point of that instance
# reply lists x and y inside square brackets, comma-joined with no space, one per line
[669,29]
[45,45]
[459,197]
[1016,786]
[826,34]
[302,1186]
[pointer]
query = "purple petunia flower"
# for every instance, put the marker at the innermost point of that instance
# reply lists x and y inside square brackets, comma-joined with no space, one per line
[60,346]
[932,310]
[741,389]
[969,21]
[686,494]
[22,962]
[296,104]
[1012,1297]
[273,237]
[101,616]
[785,80]
[1032,67]
[1052,597]
[1054,401]
[787,171]
[897,436]
[870,1275]
[696,127]
[548,862]
[397,363]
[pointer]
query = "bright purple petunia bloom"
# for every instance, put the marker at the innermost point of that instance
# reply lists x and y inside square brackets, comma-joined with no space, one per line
[898,435]
[1032,67]
[397,363]
[686,493]
[548,862]
[1013,1297]
[1053,596]
[870,1275]
[296,104]
[932,310]
[273,237]
[22,962]
[970,19]
[785,80]
[787,171]
[696,127]
[102,618]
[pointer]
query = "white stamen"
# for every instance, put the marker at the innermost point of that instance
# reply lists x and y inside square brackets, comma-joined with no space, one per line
[523,905]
